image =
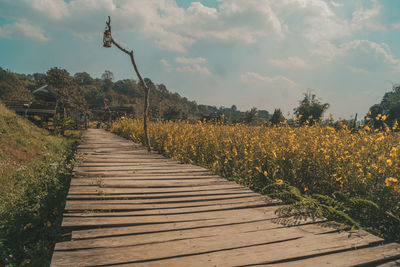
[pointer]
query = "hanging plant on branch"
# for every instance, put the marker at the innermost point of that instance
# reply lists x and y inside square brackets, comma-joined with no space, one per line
[107,42]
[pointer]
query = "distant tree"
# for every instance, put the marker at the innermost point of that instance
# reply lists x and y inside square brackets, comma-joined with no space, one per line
[95,97]
[394,113]
[233,108]
[277,117]
[12,88]
[310,109]
[251,116]
[172,114]
[60,83]
[69,94]
[39,78]
[107,76]
[162,88]
[154,112]
[83,78]
[389,106]
[149,83]
[264,114]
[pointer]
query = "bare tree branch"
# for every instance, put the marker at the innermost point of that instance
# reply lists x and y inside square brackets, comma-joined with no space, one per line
[145,87]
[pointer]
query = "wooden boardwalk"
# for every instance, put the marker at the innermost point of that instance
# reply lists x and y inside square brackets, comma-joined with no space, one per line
[129,207]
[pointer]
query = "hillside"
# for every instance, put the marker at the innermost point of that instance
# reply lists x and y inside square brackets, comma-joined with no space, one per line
[21,142]
[34,171]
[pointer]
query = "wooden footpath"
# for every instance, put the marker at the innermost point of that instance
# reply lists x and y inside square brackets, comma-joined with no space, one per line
[129,207]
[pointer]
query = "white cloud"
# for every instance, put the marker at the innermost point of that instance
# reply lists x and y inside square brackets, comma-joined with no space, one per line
[335,4]
[378,55]
[195,68]
[171,27]
[22,28]
[169,40]
[186,69]
[201,69]
[320,26]
[235,20]
[55,9]
[365,17]
[277,81]
[186,60]
[175,28]
[192,65]
[290,62]
[326,50]
[165,62]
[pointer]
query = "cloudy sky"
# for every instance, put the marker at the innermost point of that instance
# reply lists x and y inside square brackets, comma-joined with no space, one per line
[262,53]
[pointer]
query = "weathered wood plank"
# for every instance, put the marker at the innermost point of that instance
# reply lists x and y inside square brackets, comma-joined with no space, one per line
[220,230]
[84,222]
[275,246]
[370,256]
[121,190]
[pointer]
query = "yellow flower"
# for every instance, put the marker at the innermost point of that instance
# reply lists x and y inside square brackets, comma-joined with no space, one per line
[390,180]
[265,173]
[389,162]
[279,181]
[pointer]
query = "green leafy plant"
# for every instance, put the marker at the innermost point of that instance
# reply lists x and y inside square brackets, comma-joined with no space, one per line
[59,124]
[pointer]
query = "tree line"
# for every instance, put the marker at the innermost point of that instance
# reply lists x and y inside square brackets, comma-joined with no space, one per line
[83,94]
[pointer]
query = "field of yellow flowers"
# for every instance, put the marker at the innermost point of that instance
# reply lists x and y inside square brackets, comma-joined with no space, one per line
[352,177]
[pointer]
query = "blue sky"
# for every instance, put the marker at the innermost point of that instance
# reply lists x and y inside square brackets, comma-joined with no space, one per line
[262,53]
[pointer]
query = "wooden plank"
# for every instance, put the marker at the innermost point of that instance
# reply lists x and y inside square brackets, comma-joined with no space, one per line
[85,222]
[164,236]
[149,183]
[160,201]
[119,207]
[97,210]
[370,256]
[277,246]
[91,195]
[141,167]
[168,209]
[160,198]
[76,189]
[135,171]
[172,227]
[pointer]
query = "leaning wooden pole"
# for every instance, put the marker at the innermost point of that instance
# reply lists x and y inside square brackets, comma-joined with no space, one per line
[145,87]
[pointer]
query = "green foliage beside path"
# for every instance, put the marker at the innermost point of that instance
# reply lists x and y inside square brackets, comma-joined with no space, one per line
[35,170]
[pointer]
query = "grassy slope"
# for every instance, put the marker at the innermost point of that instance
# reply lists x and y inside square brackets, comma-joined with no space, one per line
[34,177]
[21,142]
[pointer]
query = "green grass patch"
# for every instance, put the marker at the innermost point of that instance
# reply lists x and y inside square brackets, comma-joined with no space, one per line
[35,170]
